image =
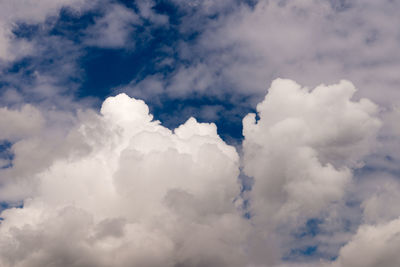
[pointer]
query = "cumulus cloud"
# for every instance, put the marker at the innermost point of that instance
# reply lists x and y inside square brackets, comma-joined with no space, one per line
[372,246]
[381,193]
[140,195]
[120,189]
[303,147]
[376,239]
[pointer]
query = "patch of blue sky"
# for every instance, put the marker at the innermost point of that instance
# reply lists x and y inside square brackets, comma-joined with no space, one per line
[378,164]
[25,30]
[303,254]
[167,8]
[6,205]
[306,245]
[308,239]
[3,206]
[228,116]
[100,70]
[310,229]
[71,24]
[106,69]
[6,155]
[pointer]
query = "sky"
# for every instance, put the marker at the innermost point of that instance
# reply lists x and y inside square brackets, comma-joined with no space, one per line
[199,133]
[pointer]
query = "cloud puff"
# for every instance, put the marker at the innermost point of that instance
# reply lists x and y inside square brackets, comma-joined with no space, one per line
[119,189]
[140,195]
[303,147]
[372,246]
[382,193]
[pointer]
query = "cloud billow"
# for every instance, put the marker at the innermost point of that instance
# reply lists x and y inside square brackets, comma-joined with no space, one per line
[130,192]
[301,150]
[312,180]
[141,195]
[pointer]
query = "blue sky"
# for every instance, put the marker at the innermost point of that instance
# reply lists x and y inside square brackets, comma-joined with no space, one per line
[103,69]
[291,160]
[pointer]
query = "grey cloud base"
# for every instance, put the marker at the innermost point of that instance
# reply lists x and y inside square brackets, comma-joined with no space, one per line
[126,191]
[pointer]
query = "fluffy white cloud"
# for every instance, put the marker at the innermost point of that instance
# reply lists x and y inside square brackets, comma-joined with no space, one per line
[380,193]
[372,246]
[376,241]
[303,147]
[119,189]
[139,195]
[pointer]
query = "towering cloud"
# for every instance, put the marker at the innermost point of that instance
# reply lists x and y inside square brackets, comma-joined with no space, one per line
[125,191]
[140,195]
[301,151]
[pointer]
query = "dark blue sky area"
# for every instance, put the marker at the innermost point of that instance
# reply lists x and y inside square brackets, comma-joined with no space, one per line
[102,70]
[105,69]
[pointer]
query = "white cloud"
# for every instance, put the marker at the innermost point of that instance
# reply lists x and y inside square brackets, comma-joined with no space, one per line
[140,195]
[243,50]
[302,149]
[372,246]
[381,195]
[125,190]
[119,189]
